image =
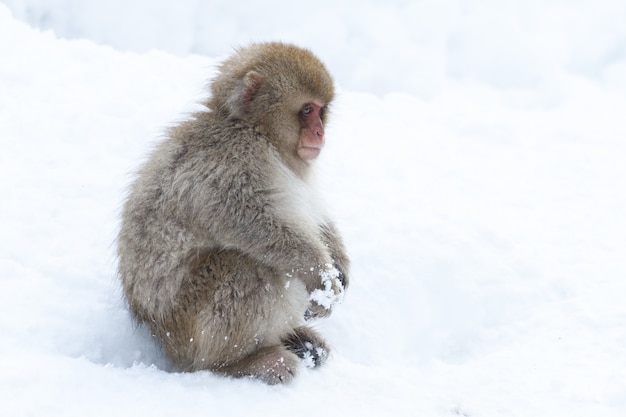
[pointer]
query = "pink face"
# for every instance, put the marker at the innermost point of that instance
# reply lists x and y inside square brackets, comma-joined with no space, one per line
[312,133]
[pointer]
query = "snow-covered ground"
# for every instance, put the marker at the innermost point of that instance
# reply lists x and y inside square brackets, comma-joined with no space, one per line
[475,164]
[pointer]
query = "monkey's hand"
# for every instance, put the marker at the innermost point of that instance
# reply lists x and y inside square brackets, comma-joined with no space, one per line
[330,293]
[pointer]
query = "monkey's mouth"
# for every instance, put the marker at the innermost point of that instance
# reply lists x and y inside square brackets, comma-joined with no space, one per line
[308,152]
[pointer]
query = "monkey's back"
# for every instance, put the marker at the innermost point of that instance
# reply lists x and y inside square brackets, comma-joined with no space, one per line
[151,236]
[175,207]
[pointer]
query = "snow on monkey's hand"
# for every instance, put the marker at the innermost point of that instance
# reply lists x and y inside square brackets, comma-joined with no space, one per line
[330,293]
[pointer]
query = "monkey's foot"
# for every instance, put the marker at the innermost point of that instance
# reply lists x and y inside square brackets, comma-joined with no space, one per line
[272,365]
[308,345]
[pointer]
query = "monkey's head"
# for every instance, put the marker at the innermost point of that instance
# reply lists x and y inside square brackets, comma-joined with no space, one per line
[281,90]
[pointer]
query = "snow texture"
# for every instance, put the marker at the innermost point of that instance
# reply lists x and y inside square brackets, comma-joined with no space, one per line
[474,163]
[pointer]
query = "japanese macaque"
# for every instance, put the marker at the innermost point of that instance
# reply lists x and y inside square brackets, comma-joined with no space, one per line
[224,249]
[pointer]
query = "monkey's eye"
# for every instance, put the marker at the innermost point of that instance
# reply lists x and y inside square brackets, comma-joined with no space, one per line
[307,109]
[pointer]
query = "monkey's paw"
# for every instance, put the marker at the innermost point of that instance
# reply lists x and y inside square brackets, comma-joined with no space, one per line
[324,298]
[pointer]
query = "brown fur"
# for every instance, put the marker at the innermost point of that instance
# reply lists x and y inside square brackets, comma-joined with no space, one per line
[222,240]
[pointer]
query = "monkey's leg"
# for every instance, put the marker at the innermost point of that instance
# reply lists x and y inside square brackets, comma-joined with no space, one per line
[242,310]
[272,364]
[308,345]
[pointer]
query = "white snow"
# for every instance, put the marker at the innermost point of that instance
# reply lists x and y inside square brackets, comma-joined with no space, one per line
[474,163]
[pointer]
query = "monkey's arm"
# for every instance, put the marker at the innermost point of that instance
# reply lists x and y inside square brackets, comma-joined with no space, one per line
[334,243]
[239,211]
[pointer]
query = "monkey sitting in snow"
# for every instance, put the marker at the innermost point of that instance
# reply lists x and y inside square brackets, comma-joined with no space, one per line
[224,250]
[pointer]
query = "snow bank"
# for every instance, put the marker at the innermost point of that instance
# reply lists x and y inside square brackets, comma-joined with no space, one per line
[398,45]
[474,164]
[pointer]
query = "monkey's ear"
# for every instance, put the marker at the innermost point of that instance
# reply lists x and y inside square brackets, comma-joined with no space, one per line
[244,93]
[253,82]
